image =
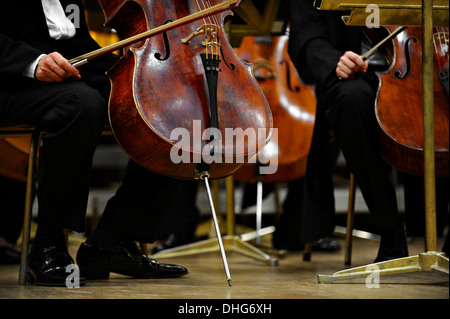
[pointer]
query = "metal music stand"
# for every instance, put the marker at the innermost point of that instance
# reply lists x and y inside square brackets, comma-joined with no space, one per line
[427,14]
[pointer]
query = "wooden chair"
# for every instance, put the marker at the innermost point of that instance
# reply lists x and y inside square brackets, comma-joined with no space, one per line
[7,130]
[350,221]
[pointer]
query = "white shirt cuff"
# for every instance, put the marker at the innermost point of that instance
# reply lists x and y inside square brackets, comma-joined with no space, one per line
[30,69]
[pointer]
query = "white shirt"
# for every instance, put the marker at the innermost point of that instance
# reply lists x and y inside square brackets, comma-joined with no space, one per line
[59,27]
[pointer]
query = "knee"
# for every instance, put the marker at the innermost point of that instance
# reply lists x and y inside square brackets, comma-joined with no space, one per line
[82,107]
[351,94]
[353,99]
[91,105]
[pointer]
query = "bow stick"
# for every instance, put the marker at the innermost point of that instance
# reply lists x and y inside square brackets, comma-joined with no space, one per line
[85,58]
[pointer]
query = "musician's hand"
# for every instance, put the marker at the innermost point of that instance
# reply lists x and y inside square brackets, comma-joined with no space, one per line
[350,64]
[55,68]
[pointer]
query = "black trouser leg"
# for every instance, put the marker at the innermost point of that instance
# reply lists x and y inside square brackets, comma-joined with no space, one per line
[353,120]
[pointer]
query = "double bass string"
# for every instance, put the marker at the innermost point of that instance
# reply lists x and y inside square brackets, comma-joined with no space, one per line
[440,47]
[207,4]
[212,20]
[440,43]
[436,49]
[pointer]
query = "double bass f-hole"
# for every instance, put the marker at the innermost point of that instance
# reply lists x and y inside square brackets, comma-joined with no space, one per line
[401,74]
[166,46]
[231,66]
[288,77]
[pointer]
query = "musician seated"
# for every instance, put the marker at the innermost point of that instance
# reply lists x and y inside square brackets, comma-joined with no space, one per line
[327,54]
[38,86]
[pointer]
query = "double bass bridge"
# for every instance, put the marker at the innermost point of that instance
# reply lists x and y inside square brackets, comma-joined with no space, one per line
[210,33]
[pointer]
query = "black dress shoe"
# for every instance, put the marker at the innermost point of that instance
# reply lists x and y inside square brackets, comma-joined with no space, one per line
[125,259]
[322,244]
[325,245]
[49,266]
[9,256]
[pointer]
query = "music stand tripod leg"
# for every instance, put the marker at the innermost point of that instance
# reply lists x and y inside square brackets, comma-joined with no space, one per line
[424,262]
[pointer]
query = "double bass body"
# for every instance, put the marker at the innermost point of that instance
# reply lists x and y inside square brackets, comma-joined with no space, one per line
[293,106]
[160,85]
[399,106]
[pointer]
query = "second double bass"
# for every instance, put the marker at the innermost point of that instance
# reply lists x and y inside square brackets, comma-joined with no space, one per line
[293,106]
[399,107]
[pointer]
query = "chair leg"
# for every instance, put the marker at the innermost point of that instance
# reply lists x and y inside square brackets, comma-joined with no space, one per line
[144,248]
[350,221]
[307,252]
[28,205]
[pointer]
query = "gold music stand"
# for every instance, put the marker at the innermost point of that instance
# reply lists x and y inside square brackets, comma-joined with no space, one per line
[392,12]
[406,13]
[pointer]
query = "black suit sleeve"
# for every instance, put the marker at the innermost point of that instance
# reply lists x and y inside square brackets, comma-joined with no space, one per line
[310,48]
[14,57]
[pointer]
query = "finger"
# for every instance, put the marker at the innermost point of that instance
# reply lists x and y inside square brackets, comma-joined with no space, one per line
[343,71]
[49,68]
[361,65]
[44,71]
[63,64]
[48,76]
[346,61]
[365,66]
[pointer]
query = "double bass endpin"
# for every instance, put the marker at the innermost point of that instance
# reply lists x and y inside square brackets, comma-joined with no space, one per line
[205,176]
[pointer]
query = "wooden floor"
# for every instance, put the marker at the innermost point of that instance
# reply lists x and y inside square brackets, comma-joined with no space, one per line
[291,279]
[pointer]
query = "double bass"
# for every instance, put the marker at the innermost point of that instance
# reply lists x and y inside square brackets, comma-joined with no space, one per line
[293,106]
[183,83]
[399,107]
[172,91]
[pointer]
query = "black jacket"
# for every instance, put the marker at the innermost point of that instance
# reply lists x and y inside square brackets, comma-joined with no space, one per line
[318,38]
[24,36]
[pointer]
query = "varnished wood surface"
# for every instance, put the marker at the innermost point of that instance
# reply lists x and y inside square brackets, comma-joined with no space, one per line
[293,279]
